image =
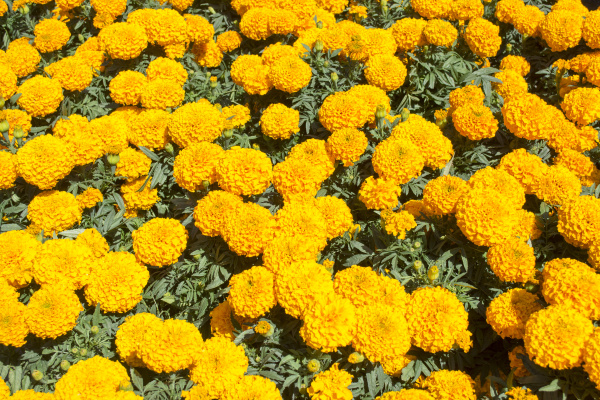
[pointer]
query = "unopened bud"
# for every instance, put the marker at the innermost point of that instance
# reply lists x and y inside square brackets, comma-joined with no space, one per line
[356,358]
[95,330]
[255,146]
[169,148]
[218,107]
[384,3]
[417,245]
[126,386]
[83,352]
[18,132]
[81,38]
[405,114]
[205,184]
[65,365]
[2,101]
[334,77]
[326,64]
[385,9]
[313,366]
[532,287]
[24,9]
[4,126]
[320,25]
[37,375]
[380,111]
[426,48]
[208,75]
[433,273]
[213,82]
[211,10]
[508,48]
[318,45]
[417,265]
[75,350]
[228,133]
[113,159]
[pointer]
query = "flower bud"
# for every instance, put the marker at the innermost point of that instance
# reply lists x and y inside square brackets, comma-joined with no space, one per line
[213,82]
[205,184]
[228,133]
[18,132]
[75,350]
[83,352]
[380,112]
[4,126]
[383,3]
[405,114]
[169,148]
[334,77]
[326,64]
[417,245]
[65,365]
[208,75]
[433,273]
[385,9]
[320,25]
[425,48]
[37,375]
[218,107]
[508,48]
[356,358]
[24,9]
[313,366]
[95,330]
[81,38]
[113,159]
[532,287]
[211,10]
[318,45]
[126,386]
[2,101]
[257,358]
[264,328]
[417,265]
[255,146]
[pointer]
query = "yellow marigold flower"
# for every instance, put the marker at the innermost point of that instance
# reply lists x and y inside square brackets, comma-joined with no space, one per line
[162,94]
[40,96]
[579,164]
[441,194]
[126,88]
[195,123]
[255,23]
[199,30]
[72,73]
[67,5]
[17,252]
[160,241]
[196,164]
[283,251]
[247,228]
[54,211]
[464,10]
[22,57]
[408,33]
[526,168]
[137,198]
[561,29]
[386,72]
[13,327]
[207,54]
[330,323]
[513,84]
[171,346]
[163,26]
[4,389]
[565,135]
[85,146]
[124,41]
[8,170]
[512,261]
[469,94]
[519,393]
[252,387]
[97,377]
[16,118]
[333,6]
[314,152]
[244,171]
[304,221]
[235,116]
[528,116]
[397,160]
[131,333]
[343,110]
[89,198]
[475,122]
[527,20]
[447,385]
[528,226]
[517,363]
[3,10]
[94,241]
[582,105]
[276,51]
[279,121]
[149,128]
[429,332]
[300,284]
[508,313]
[218,366]
[553,267]
[113,131]
[94,59]
[50,35]
[296,179]
[333,39]
[559,185]
[516,63]
[337,215]
[406,394]
[578,221]
[211,209]
[249,72]
[555,337]
[592,74]
[440,33]
[431,8]
[252,292]
[30,394]
[229,41]
[397,223]
[331,384]
[8,81]
[575,288]
[571,5]
[220,321]
[379,194]
[290,74]
[132,164]
[52,311]
[590,31]
[116,283]
[500,181]
[347,145]
[327,18]
[483,37]
[591,357]
[63,261]
[109,9]
[373,97]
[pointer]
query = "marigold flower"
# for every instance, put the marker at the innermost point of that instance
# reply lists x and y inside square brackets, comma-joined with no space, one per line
[379,194]
[331,384]
[408,33]
[561,29]
[440,33]
[249,72]
[40,96]
[17,252]
[464,10]
[527,19]
[17,118]
[513,84]
[526,168]
[123,40]
[50,35]
[207,54]
[244,171]
[590,31]
[483,37]
[385,71]
[112,131]
[516,63]
[149,128]
[107,10]
[279,121]
[582,105]
[229,41]
[220,321]
[406,394]
[195,123]
[199,30]
[196,164]
[441,194]
[431,8]
[211,209]
[290,74]
[575,288]
[8,81]
[347,145]
[255,23]
[475,122]
[89,198]
[469,94]
[397,223]
[22,57]
[160,241]
[508,313]
[8,170]
[252,292]
[555,337]
[398,160]
[512,260]
[52,311]
[131,332]
[92,239]
[219,365]
[73,73]
[138,195]
[13,328]
[162,94]
[343,110]
[337,215]
[500,181]
[580,165]
[132,164]
[594,256]
[296,179]
[98,377]
[54,211]
[517,363]
[591,358]
[247,228]
[126,88]
[559,185]
[252,386]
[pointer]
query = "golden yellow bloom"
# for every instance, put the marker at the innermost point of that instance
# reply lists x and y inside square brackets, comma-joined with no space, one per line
[525,167]
[89,198]
[207,54]
[54,211]
[441,194]
[13,327]
[314,153]
[561,29]
[512,260]
[252,387]
[489,178]
[198,28]
[92,239]
[555,337]
[113,131]
[160,241]
[283,251]
[337,215]
[450,385]
[255,23]
[580,165]
[43,161]
[229,41]
[464,10]
[483,37]
[578,221]
[220,321]
[528,116]
[244,171]
[8,170]
[126,88]
[559,186]
[210,211]
[131,332]
[22,57]
[149,128]
[331,384]
[50,35]
[73,73]
[107,11]
[137,198]
[16,118]
[432,8]
[513,84]
[516,362]
[508,313]
[197,164]
[469,94]
[397,223]
[343,110]
[63,261]
[408,33]
[385,71]
[40,96]
[132,164]
[440,33]
[379,194]
[594,256]
[247,228]
[347,145]
[279,121]
[249,72]
[252,292]
[528,20]
[582,105]
[590,31]
[475,122]
[162,94]
[194,123]
[8,81]
[290,74]
[397,160]
[17,252]
[516,63]
[52,311]
[218,366]
[406,394]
